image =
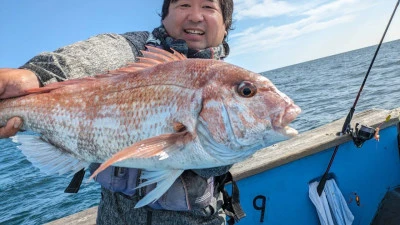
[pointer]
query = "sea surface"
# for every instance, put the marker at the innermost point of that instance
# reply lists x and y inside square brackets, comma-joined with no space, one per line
[324,88]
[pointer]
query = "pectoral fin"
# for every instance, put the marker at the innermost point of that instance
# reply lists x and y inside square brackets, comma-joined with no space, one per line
[164,180]
[155,146]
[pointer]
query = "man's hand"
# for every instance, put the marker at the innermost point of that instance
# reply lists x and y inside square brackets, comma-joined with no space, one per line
[13,83]
[12,127]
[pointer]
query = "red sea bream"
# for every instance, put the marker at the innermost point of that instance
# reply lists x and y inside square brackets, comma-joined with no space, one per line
[163,114]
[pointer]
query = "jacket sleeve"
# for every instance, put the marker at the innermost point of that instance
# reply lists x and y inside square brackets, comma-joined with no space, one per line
[95,55]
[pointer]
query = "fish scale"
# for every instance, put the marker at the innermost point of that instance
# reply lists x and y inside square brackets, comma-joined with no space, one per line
[165,116]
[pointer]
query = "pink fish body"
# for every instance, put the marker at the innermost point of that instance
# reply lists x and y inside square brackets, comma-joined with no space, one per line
[163,114]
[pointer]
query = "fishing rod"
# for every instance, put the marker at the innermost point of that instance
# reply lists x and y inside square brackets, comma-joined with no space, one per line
[365,132]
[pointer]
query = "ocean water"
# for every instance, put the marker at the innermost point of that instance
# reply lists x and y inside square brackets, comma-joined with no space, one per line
[325,89]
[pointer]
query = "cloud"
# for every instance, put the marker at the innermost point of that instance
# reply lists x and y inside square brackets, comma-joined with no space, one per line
[334,8]
[263,38]
[304,19]
[261,9]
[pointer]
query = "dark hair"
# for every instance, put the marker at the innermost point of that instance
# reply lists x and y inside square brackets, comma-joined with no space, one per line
[225,5]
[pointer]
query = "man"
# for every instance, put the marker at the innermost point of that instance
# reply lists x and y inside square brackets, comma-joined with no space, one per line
[196,28]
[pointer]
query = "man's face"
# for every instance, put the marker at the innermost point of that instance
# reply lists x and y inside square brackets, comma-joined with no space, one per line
[199,22]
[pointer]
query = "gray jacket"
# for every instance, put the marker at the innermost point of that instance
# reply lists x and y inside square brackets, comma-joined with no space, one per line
[98,55]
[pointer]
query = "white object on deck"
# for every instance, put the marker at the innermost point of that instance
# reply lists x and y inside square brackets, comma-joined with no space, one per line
[331,206]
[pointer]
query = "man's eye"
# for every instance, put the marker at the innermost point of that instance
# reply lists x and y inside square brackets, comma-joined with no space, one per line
[185,5]
[209,7]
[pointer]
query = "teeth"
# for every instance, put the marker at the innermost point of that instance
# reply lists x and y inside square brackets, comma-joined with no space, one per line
[291,132]
[194,32]
[288,131]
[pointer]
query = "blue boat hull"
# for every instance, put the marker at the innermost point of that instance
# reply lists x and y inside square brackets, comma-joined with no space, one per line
[280,195]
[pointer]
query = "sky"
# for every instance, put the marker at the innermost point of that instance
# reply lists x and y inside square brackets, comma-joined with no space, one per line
[268,34]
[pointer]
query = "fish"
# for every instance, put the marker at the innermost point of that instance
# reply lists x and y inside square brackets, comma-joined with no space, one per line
[163,114]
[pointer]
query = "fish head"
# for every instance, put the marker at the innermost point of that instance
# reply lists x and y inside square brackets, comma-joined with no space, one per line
[244,111]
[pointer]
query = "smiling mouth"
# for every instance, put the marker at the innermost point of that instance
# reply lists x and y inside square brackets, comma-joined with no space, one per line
[197,32]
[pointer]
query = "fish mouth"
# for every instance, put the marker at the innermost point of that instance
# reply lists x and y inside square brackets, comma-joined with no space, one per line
[280,122]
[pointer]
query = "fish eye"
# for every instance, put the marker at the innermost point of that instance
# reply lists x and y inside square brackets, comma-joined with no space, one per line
[246,89]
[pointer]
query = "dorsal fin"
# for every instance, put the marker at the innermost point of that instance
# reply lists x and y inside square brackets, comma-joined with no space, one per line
[152,57]
[146,60]
[175,56]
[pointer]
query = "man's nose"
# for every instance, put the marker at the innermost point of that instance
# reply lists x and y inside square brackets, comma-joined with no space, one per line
[196,15]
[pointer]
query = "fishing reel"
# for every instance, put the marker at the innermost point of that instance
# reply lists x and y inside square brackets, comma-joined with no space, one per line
[361,135]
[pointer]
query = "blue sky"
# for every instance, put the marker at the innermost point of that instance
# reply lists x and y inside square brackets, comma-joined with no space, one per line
[268,34]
